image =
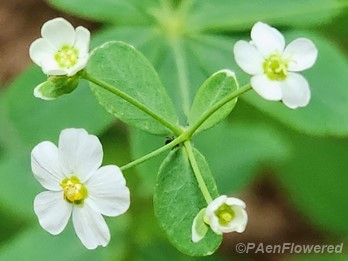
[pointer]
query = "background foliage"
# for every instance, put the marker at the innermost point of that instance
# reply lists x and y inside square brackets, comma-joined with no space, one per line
[305,151]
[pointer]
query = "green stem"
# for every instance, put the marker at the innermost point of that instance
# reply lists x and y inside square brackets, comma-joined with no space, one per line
[191,130]
[186,135]
[182,76]
[168,146]
[175,129]
[198,174]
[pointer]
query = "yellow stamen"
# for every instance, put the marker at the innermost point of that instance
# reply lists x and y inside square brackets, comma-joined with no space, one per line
[74,191]
[275,67]
[225,214]
[67,56]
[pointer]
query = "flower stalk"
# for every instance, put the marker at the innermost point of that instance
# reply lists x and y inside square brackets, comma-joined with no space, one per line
[201,183]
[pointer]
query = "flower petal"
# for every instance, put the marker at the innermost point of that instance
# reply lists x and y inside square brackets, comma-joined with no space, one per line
[81,64]
[301,53]
[107,189]
[215,225]
[58,32]
[39,50]
[45,165]
[53,211]
[235,202]
[248,57]
[82,40]
[266,88]
[267,39]
[51,67]
[90,226]
[238,223]
[295,91]
[242,220]
[80,154]
[214,205]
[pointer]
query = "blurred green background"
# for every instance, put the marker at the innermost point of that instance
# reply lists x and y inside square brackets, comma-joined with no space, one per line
[290,166]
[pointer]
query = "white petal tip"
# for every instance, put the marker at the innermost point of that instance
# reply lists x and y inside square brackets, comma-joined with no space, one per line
[39,95]
[228,73]
[260,26]
[240,230]
[83,29]
[294,107]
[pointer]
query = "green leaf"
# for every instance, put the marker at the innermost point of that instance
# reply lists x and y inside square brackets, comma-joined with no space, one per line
[235,151]
[146,39]
[316,181]
[37,244]
[213,53]
[32,120]
[223,15]
[159,251]
[182,75]
[120,65]
[214,89]
[135,35]
[326,113]
[19,187]
[141,144]
[177,201]
[115,11]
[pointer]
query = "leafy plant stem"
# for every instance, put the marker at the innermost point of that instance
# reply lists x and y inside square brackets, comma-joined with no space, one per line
[192,129]
[182,74]
[186,135]
[154,153]
[175,129]
[196,170]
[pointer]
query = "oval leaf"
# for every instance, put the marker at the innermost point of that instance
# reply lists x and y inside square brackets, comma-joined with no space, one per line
[120,65]
[115,11]
[214,89]
[316,181]
[227,15]
[35,244]
[178,200]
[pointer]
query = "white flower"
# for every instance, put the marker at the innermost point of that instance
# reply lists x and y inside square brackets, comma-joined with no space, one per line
[78,186]
[226,214]
[62,50]
[274,67]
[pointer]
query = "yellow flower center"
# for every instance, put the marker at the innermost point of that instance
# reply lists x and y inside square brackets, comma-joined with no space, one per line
[225,214]
[74,191]
[67,56]
[275,67]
